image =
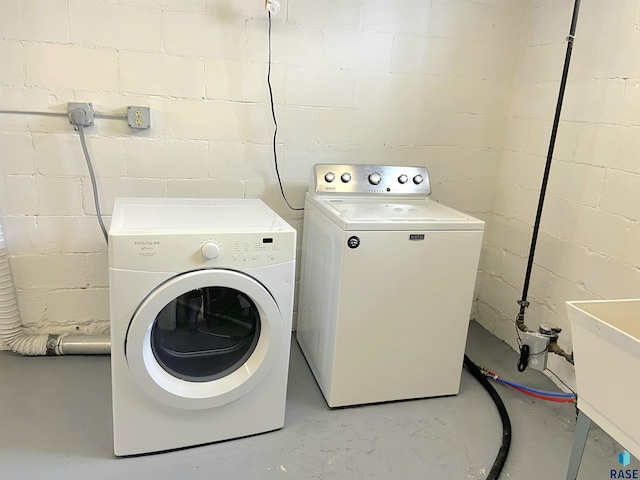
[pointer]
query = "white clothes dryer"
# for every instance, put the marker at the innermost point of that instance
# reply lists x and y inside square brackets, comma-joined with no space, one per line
[386,287]
[201,297]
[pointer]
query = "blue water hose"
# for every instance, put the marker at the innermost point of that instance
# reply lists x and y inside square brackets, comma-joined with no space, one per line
[534,390]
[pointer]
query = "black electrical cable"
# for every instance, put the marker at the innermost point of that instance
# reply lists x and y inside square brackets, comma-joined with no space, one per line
[523,362]
[275,125]
[501,458]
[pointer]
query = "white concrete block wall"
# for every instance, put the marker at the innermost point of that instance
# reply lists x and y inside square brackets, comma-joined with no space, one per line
[589,241]
[400,82]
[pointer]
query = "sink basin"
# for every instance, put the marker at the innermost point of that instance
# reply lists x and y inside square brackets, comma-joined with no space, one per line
[606,346]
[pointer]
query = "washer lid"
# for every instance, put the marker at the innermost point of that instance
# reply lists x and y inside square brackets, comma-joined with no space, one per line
[368,214]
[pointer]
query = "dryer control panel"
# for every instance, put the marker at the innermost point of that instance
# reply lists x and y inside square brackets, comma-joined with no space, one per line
[184,252]
[383,180]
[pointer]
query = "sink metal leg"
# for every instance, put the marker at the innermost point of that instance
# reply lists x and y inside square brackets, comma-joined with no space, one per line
[579,440]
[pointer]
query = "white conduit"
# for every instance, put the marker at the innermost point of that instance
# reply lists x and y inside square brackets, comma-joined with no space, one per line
[14,336]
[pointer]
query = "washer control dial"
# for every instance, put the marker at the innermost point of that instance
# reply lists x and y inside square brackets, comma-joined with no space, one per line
[345,177]
[210,250]
[329,177]
[418,179]
[403,179]
[375,178]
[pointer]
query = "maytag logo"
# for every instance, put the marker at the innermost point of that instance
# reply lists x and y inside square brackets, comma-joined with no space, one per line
[624,459]
[416,236]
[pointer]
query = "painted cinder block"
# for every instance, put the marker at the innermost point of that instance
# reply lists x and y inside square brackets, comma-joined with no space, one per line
[121,26]
[89,305]
[12,64]
[400,17]
[154,158]
[226,160]
[629,111]
[340,14]
[609,238]
[219,35]
[354,127]
[461,20]
[424,55]
[499,295]
[70,66]
[562,257]
[387,91]
[35,21]
[18,195]
[357,50]
[97,269]
[594,100]
[55,234]
[34,271]
[294,45]
[210,188]
[621,194]
[241,81]
[61,155]
[608,278]
[161,74]
[203,120]
[17,154]
[578,183]
[632,252]
[319,87]
[541,62]
[110,188]
[59,196]
[447,96]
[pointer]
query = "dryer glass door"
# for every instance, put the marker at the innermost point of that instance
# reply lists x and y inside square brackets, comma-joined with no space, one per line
[204,338]
[206,333]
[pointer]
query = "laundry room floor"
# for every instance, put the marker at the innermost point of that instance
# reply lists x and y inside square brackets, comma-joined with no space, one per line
[55,423]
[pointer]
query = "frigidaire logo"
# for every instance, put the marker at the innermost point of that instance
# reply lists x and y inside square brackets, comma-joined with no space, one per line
[147,243]
[624,459]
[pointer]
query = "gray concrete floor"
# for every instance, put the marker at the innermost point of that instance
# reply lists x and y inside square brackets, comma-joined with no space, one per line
[55,422]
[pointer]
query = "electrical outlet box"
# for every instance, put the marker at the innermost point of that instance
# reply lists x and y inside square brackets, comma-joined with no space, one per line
[538,345]
[81,113]
[139,117]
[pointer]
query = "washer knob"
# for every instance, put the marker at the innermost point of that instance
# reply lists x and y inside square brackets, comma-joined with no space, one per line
[345,177]
[418,179]
[403,179]
[375,178]
[210,250]
[329,177]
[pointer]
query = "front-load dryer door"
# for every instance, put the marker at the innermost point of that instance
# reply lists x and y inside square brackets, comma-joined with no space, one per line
[204,338]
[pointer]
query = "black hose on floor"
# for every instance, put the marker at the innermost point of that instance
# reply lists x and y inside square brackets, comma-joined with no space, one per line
[501,458]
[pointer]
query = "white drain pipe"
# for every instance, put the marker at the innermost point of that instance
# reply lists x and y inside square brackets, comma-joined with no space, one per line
[14,336]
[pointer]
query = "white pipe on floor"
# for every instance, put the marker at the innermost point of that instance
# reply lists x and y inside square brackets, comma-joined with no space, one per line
[12,332]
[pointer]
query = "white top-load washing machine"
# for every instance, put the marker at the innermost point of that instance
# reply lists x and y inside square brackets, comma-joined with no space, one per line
[201,296]
[386,288]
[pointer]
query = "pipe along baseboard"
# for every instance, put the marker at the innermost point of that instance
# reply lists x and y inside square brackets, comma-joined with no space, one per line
[14,336]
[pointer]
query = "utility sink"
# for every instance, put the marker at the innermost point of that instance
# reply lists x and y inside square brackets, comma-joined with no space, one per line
[606,346]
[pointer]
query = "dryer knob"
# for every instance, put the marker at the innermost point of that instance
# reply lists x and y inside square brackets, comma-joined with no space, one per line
[403,178]
[375,178]
[210,250]
[418,179]
[329,177]
[345,177]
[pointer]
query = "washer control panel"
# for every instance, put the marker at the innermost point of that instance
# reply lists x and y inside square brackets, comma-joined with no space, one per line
[370,180]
